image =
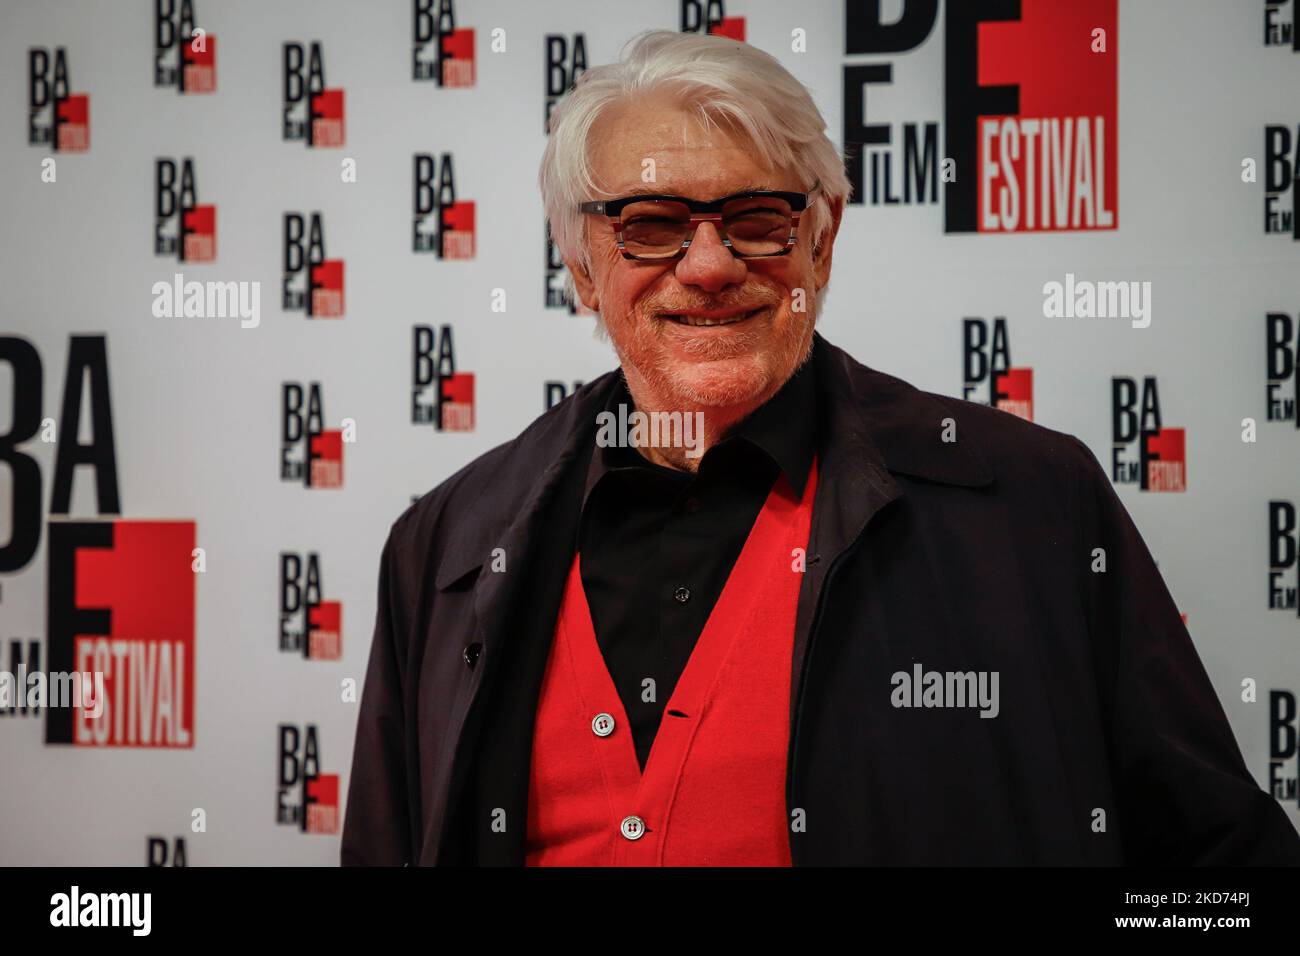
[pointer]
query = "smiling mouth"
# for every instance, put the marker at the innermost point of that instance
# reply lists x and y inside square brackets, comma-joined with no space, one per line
[700,321]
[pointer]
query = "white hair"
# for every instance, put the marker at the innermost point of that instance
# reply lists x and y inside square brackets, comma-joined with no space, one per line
[722,81]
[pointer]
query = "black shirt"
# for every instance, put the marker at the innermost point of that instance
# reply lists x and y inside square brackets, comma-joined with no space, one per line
[658,544]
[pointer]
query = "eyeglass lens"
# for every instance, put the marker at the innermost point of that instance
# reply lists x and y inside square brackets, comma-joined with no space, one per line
[756,226]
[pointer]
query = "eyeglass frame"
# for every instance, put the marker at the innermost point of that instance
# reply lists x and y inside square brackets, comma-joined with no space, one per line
[704,210]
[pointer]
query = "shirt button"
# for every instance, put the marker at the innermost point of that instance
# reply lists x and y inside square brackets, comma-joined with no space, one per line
[602,725]
[682,595]
[632,828]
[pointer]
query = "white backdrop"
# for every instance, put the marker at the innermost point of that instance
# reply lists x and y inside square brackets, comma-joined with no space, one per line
[195,402]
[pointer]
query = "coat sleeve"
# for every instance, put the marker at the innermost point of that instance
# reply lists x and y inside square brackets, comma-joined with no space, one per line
[376,829]
[1184,795]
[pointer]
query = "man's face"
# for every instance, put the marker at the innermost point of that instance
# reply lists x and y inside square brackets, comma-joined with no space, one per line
[670,360]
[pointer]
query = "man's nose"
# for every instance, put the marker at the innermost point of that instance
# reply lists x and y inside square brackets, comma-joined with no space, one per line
[708,264]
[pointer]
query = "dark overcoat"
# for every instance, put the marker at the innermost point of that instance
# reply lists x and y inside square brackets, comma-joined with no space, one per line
[947,537]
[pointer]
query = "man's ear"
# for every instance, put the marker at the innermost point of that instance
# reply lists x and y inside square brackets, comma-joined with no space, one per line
[582,282]
[822,251]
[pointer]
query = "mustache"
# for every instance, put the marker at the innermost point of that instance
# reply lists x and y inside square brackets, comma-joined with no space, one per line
[746,302]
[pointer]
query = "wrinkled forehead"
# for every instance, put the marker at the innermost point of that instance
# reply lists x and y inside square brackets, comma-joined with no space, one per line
[657,146]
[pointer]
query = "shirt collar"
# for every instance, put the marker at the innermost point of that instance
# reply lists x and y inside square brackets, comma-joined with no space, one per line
[784,427]
[872,426]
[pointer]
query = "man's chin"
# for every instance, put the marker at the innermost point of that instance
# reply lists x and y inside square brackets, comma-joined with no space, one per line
[719,383]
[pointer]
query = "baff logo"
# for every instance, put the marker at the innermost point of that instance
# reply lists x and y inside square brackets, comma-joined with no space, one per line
[121,602]
[313,283]
[441,223]
[307,798]
[1279,24]
[160,851]
[56,118]
[120,593]
[1281,171]
[710,16]
[182,227]
[1029,107]
[441,396]
[313,114]
[1283,568]
[309,625]
[442,53]
[1145,453]
[987,375]
[553,285]
[308,453]
[1283,747]
[184,56]
[562,72]
[556,391]
[1282,348]
[566,60]
[553,296]
[24,657]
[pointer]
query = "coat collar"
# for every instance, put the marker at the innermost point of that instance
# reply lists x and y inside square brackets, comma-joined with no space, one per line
[900,426]
[874,425]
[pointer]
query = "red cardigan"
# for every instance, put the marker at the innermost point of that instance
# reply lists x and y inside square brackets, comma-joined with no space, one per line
[713,789]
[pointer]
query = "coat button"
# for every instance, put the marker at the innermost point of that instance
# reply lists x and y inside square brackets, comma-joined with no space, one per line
[602,725]
[632,828]
[682,595]
[471,654]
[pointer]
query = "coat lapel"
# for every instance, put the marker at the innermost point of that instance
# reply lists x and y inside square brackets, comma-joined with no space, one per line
[872,427]
[515,507]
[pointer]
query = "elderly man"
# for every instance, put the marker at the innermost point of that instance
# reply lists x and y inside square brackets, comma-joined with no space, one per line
[819,617]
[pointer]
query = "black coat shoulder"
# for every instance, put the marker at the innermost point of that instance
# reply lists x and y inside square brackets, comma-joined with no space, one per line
[452,527]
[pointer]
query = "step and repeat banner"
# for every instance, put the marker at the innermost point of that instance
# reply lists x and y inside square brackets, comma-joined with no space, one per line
[272,270]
